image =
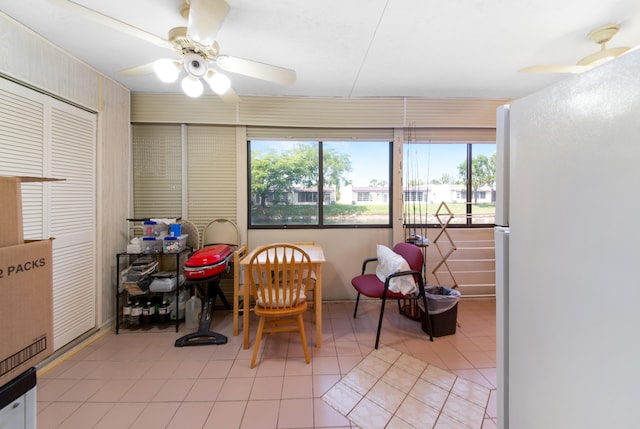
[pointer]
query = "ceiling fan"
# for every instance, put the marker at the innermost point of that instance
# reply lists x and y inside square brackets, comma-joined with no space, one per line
[197,50]
[601,36]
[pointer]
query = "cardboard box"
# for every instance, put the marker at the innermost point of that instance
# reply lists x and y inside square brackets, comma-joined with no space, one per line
[11,229]
[11,214]
[26,307]
[26,287]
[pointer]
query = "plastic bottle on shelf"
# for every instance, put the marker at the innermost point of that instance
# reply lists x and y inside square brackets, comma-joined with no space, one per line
[193,311]
[177,308]
[126,313]
[163,312]
[136,314]
[170,298]
[147,313]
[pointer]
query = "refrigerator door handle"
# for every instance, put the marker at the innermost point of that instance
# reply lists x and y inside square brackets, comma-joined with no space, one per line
[502,324]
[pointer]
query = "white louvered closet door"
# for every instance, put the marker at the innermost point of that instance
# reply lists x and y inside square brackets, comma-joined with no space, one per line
[41,136]
[72,220]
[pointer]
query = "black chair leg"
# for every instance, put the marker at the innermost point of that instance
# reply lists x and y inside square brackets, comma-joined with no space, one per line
[380,322]
[356,309]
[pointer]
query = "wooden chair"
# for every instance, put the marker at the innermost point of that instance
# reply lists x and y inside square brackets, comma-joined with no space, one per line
[238,287]
[278,275]
[370,285]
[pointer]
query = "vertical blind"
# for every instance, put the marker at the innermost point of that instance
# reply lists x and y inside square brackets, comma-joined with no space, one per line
[210,172]
[157,171]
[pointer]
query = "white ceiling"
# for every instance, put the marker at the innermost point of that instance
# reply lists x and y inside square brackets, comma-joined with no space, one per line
[355,48]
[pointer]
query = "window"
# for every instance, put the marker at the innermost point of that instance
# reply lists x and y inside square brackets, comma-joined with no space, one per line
[363,197]
[414,195]
[287,178]
[436,174]
[307,197]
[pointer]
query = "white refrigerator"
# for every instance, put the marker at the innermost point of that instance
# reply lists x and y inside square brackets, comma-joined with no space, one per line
[568,253]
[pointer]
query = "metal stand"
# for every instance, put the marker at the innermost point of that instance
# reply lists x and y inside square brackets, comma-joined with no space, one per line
[451,244]
[159,257]
[204,336]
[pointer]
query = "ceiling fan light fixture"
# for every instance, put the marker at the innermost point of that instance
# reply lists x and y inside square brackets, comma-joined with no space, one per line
[167,70]
[219,83]
[192,86]
[195,65]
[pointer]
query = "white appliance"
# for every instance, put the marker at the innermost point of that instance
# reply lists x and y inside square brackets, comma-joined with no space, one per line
[18,405]
[502,258]
[567,240]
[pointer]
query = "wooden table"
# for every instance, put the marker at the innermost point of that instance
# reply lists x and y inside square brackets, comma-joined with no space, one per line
[316,255]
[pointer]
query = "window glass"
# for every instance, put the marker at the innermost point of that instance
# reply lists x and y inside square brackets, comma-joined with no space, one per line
[286,190]
[356,182]
[483,183]
[435,183]
[284,183]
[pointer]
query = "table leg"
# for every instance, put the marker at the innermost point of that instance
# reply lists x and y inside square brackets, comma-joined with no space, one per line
[245,315]
[318,305]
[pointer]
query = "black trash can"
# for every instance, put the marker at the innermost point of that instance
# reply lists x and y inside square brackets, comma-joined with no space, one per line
[443,310]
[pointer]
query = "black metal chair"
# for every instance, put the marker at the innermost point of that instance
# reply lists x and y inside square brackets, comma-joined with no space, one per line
[370,285]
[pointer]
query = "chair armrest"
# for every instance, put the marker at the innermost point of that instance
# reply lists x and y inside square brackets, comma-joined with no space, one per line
[405,273]
[365,262]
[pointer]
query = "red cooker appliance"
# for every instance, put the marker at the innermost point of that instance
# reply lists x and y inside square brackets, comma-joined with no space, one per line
[207,262]
[206,266]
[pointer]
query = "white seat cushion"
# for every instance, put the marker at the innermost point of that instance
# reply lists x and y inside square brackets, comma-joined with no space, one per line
[390,262]
[284,298]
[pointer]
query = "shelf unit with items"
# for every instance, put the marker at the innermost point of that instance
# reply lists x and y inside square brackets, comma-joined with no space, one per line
[138,285]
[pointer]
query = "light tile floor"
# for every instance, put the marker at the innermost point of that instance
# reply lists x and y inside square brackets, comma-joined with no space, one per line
[138,379]
[391,389]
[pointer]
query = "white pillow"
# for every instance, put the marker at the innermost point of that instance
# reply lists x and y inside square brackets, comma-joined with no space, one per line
[390,262]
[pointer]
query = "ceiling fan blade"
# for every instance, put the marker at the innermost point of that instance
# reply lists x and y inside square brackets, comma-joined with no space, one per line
[601,36]
[258,70]
[554,69]
[603,56]
[112,22]
[230,97]
[138,70]
[205,19]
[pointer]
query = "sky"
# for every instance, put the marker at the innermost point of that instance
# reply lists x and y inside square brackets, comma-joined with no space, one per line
[430,161]
[424,162]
